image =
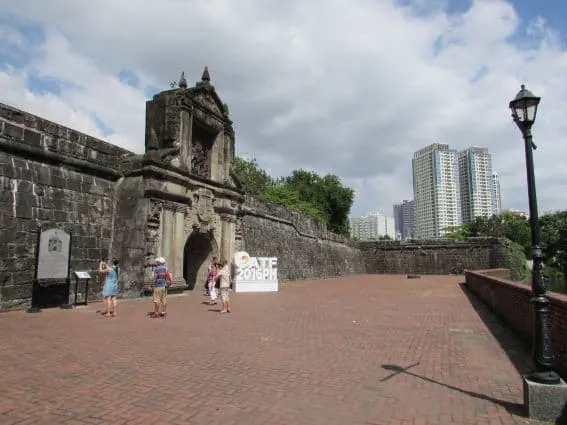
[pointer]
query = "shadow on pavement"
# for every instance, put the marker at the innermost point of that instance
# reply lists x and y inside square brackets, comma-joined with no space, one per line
[512,408]
[516,350]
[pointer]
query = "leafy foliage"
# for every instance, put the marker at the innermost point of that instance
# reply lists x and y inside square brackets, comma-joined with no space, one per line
[252,177]
[322,198]
[457,232]
[510,225]
[516,228]
[516,260]
[327,194]
[288,197]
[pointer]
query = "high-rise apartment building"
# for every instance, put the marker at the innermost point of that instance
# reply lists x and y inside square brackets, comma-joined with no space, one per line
[404,214]
[476,183]
[436,190]
[372,227]
[496,194]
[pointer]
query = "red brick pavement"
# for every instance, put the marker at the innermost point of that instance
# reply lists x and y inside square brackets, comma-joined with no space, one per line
[310,354]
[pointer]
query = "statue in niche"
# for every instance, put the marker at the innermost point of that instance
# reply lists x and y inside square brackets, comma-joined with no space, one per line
[200,160]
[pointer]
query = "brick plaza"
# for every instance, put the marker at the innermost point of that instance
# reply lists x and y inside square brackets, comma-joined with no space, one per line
[368,350]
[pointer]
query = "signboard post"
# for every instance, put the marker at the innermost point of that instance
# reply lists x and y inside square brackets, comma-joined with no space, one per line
[86,277]
[255,274]
[52,282]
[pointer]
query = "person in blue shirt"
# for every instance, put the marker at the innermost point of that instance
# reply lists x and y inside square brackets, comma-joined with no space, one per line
[162,279]
[110,287]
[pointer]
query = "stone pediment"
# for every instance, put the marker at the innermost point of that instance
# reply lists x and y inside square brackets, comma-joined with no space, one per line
[209,101]
[204,96]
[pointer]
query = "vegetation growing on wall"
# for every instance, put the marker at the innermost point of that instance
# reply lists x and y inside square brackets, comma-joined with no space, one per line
[516,260]
[516,228]
[322,198]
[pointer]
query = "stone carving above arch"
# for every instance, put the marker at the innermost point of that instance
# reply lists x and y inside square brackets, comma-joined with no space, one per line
[200,159]
[204,204]
[154,212]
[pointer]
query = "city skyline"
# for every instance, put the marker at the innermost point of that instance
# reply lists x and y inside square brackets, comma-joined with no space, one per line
[304,98]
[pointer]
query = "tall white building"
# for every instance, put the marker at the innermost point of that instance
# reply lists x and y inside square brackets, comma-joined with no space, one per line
[372,227]
[476,181]
[496,194]
[436,190]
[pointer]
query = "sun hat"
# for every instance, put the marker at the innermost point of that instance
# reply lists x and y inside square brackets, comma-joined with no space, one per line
[160,260]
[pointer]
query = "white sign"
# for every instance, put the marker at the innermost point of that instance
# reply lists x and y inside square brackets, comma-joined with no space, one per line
[82,275]
[255,274]
[53,255]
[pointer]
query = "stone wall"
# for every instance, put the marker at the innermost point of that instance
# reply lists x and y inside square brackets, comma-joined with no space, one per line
[510,301]
[433,256]
[51,176]
[305,248]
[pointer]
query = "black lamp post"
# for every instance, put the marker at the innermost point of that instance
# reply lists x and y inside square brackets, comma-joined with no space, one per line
[524,109]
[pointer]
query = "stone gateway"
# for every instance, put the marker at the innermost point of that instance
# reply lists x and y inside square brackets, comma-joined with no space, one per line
[179,200]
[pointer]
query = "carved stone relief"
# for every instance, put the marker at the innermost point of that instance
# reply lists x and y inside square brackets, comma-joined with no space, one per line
[172,124]
[238,236]
[200,159]
[208,103]
[204,203]
[154,213]
[189,222]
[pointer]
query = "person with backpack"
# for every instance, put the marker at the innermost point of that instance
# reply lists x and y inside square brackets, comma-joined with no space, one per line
[110,287]
[162,280]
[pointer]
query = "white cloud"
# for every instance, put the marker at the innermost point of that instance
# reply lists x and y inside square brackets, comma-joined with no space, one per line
[345,87]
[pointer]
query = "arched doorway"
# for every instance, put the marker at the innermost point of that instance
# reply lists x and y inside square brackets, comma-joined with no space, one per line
[199,250]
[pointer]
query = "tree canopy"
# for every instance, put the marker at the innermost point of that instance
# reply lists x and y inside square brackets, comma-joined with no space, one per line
[516,228]
[323,198]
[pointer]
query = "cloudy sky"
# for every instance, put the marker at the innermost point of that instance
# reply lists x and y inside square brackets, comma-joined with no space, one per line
[349,87]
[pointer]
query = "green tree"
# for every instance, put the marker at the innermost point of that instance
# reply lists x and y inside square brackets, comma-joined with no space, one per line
[288,197]
[516,260]
[327,194]
[254,179]
[553,235]
[517,229]
[457,232]
[322,198]
[510,225]
[554,245]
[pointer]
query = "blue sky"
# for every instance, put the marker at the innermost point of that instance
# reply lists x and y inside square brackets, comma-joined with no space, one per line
[353,91]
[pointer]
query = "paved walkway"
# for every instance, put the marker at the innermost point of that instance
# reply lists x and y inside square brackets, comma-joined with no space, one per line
[366,350]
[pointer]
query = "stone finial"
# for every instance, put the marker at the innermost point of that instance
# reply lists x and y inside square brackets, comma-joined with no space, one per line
[182,81]
[225,109]
[206,77]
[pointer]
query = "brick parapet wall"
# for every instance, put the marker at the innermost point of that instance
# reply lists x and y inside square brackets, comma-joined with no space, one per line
[510,301]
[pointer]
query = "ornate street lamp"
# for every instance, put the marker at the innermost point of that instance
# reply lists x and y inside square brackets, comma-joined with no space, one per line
[524,111]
